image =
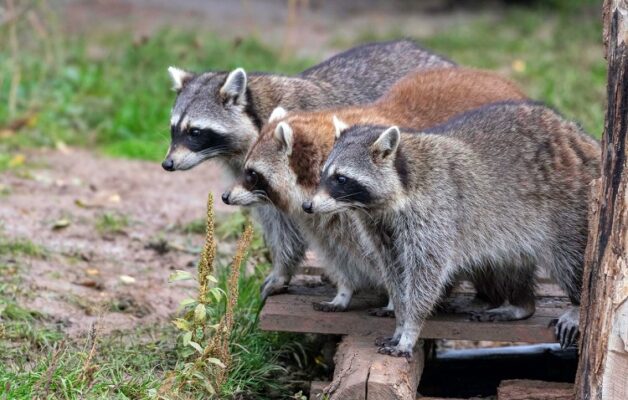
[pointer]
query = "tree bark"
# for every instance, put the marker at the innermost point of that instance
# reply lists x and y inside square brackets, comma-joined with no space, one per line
[603,367]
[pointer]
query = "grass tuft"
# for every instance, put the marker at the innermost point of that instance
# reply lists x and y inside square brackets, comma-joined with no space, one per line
[111,223]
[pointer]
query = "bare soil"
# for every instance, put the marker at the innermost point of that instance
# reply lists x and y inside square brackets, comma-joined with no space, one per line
[120,275]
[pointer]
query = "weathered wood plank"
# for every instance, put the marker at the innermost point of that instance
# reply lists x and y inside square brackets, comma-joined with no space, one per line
[293,312]
[362,374]
[518,389]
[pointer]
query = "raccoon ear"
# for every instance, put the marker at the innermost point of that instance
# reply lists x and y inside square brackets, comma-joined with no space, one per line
[387,143]
[179,77]
[340,126]
[283,133]
[277,114]
[234,88]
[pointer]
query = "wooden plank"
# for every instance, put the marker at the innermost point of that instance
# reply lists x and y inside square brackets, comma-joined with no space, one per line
[361,373]
[520,389]
[293,312]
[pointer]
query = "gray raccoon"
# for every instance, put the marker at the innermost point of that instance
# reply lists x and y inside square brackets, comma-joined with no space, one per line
[218,115]
[495,191]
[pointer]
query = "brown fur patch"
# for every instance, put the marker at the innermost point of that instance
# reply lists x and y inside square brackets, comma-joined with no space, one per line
[417,101]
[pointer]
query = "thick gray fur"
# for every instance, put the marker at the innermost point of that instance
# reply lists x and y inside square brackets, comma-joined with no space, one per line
[357,76]
[493,193]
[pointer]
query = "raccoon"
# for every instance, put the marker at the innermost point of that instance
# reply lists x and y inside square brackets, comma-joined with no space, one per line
[218,115]
[282,168]
[497,190]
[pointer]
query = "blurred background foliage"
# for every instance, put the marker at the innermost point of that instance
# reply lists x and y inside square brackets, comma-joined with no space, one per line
[111,91]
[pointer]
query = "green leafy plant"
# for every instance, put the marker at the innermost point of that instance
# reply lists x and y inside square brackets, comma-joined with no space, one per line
[207,370]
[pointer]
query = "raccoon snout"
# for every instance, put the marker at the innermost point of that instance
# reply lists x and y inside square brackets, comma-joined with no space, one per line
[307,207]
[225,197]
[168,164]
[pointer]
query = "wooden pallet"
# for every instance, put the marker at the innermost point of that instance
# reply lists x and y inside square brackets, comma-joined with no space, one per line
[360,372]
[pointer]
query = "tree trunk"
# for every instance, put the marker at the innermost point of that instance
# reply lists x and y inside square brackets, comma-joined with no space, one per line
[603,368]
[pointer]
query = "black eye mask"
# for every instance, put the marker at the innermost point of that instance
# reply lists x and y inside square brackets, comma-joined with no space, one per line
[253,181]
[346,189]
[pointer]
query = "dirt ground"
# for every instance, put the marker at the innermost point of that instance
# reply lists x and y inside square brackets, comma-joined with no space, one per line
[87,271]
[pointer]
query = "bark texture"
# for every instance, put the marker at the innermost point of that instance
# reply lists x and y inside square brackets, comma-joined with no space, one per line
[603,368]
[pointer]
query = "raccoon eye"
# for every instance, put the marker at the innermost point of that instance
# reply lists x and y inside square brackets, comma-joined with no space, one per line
[194,132]
[250,177]
[341,180]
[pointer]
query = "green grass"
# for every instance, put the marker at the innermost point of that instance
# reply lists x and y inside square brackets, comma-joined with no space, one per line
[111,223]
[20,247]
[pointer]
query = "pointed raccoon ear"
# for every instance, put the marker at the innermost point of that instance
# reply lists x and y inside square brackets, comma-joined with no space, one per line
[179,77]
[283,133]
[340,126]
[234,88]
[387,143]
[277,114]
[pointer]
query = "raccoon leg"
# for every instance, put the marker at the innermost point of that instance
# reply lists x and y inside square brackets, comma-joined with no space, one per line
[339,303]
[567,327]
[388,311]
[566,270]
[424,283]
[287,247]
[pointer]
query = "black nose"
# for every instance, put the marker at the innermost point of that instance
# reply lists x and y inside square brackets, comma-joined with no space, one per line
[225,197]
[307,207]
[168,164]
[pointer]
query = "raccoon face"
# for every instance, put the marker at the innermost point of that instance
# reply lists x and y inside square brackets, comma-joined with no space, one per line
[360,171]
[210,118]
[267,176]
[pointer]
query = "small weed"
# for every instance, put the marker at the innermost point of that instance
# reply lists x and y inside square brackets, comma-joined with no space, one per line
[111,223]
[20,247]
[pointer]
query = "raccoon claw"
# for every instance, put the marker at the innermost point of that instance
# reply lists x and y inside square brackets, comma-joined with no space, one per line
[383,341]
[382,312]
[273,285]
[327,306]
[566,328]
[395,352]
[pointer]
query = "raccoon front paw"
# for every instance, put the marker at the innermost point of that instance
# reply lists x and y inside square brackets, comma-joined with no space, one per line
[383,341]
[395,351]
[485,316]
[567,329]
[273,284]
[328,306]
[382,312]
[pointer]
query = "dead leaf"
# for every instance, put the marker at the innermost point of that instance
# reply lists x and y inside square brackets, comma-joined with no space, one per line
[519,66]
[61,223]
[127,280]
[92,271]
[17,160]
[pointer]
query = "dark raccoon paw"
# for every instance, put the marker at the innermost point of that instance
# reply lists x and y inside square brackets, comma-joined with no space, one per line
[484,316]
[273,285]
[382,312]
[395,352]
[326,306]
[386,341]
[566,332]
